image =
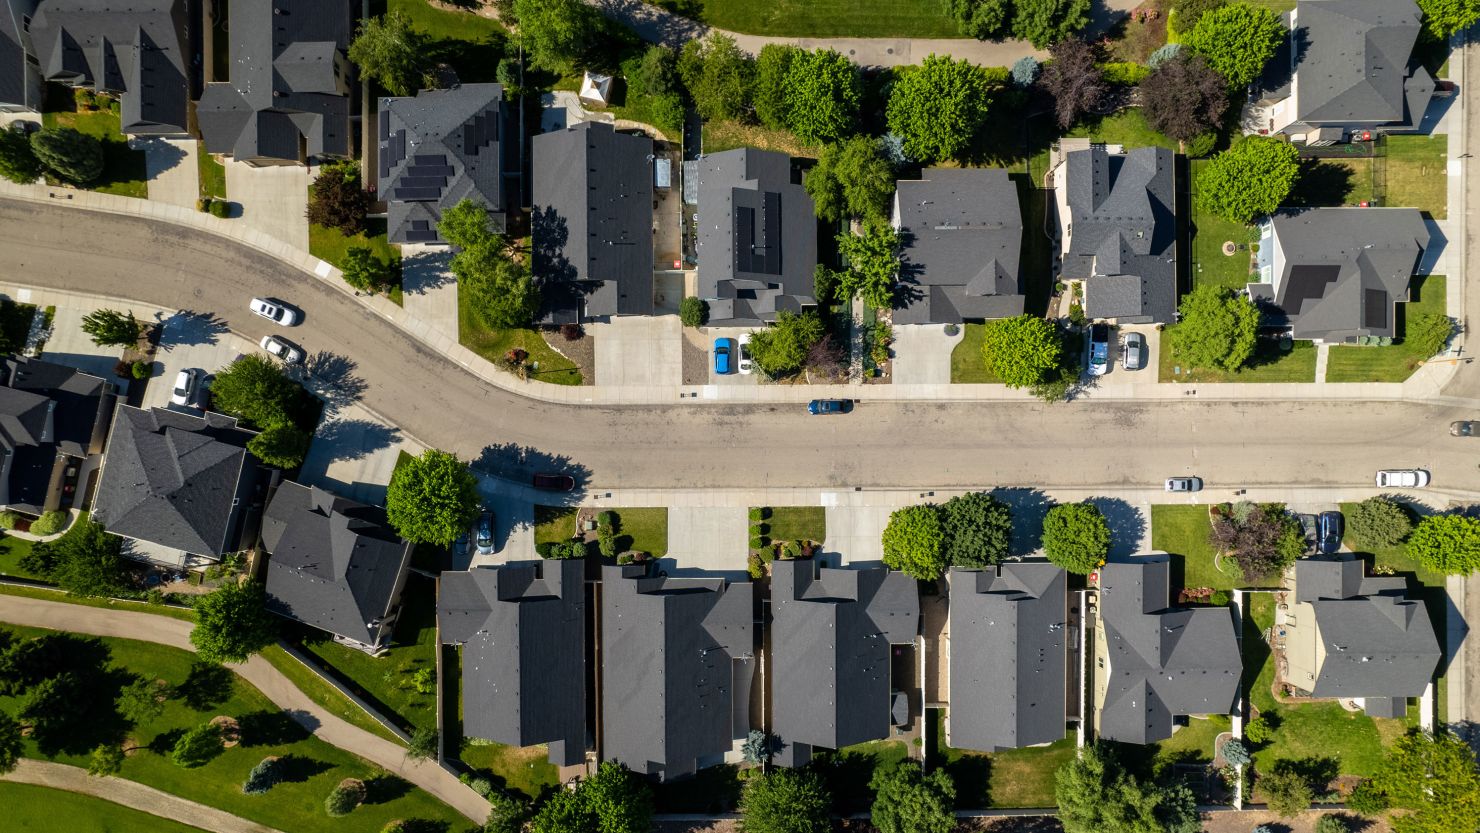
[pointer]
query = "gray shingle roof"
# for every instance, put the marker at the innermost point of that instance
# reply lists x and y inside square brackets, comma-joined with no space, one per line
[1123,227]
[141,49]
[1352,64]
[757,237]
[830,652]
[676,669]
[1345,268]
[289,83]
[48,413]
[962,235]
[19,82]
[523,631]
[593,222]
[1163,661]
[1378,643]
[335,564]
[1007,659]
[437,149]
[177,480]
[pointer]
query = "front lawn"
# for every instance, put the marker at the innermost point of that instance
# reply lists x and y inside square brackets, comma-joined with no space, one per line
[1012,778]
[124,172]
[798,523]
[1395,557]
[212,174]
[1268,364]
[12,550]
[332,245]
[967,364]
[554,524]
[527,770]
[825,18]
[33,809]
[1183,531]
[1397,361]
[545,364]
[643,530]
[1418,173]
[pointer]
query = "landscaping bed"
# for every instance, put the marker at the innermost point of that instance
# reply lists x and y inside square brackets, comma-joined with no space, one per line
[545,364]
[212,174]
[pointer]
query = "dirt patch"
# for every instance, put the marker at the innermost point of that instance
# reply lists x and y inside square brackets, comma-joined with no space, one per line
[1244,821]
[695,359]
[581,352]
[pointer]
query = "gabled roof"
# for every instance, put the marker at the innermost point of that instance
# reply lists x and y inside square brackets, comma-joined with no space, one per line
[961,232]
[1378,643]
[335,564]
[676,669]
[523,631]
[175,479]
[139,48]
[437,149]
[1124,227]
[48,412]
[593,222]
[289,82]
[1352,62]
[757,237]
[1345,268]
[18,80]
[830,652]
[1007,656]
[1163,661]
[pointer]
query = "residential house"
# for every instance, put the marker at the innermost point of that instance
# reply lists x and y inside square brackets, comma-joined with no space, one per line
[676,666]
[1118,231]
[143,50]
[757,238]
[289,99]
[1007,660]
[1346,67]
[961,235]
[1358,637]
[835,634]
[1155,662]
[20,72]
[522,628]
[592,224]
[1335,274]
[334,564]
[53,421]
[183,483]
[440,147]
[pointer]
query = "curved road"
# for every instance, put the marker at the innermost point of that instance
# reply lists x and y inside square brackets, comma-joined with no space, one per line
[1106,445]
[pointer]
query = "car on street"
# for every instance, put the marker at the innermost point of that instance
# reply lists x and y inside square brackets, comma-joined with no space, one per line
[553,482]
[1402,479]
[819,407]
[1099,349]
[1184,484]
[1132,351]
[1464,428]
[722,364]
[484,532]
[746,365]
[186,383]
[275,311]
[282,349]
[1309,530]
[1331,523]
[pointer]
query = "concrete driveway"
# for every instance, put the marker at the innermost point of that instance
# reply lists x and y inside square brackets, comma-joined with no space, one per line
[191,341]
[922,354]
[854,533]
[174,175]
[428,290]
[273,199]
[707,540]
[639,351]
[353,454]
[68,345]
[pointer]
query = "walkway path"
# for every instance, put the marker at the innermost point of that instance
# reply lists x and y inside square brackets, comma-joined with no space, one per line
[140,797]
[42,613]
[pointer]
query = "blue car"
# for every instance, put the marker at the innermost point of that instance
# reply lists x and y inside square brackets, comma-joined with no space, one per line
[722,356]
[828,406]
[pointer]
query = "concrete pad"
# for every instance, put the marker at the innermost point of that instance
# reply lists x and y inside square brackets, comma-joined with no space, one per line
[734,377]
[707,540]
[854,534]
[428,290]
[273,199]
[922,354]
[639,351]
[172,166]
[68,345]
[353,454]
[191,341]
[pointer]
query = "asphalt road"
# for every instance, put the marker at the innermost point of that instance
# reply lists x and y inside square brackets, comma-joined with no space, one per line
[1084,444]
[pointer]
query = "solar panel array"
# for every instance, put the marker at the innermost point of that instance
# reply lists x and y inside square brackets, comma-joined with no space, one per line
[480,131]
[421,231]
[424,179]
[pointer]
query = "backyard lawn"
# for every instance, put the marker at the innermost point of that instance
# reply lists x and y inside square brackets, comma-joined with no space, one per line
[1192,743]
[824,18]
[469,43]
[1397,361]
[798,523]
[212,173]
[332,245]
[728,135]
[1209,232]
[1183,531]
[124,173]
[32,809]
[1267,365]
[1417,173]
[1333,182]
[12,550]
[1010,778]
[546,364]
[527,770]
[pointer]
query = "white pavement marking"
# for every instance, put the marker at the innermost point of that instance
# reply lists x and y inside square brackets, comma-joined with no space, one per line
[324,269]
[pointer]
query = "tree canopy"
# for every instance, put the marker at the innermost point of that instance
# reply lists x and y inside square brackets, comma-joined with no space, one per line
[873,265]
[388,50]
[1237,39]
[1248,180]
[69,153]
[232,623]
[1097,795]
[1184,98]
[501,291]
[937,109]
[1262,538]
[336,200]
[281,444]
[364,271]
[1379,522]
[978,530]
[87,560]
[559,34]
[852,179]
[111,328]
[18,163]
[781,349]
[257,389]
[1023,351]
[823,92]
[1074,79]
[612,801]
[1445,17]
[786,801]
[1434,775]
[1076,537]
[719,76]
[1286,790]
[914,542]
[1041,22]
[11,743]
[1218,329]
[1189,12]
[1448,544]
[772,66]
[908,801]
[432,499]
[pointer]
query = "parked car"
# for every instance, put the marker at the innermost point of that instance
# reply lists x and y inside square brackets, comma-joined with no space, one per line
[553,482]
[1464,428]
[1099,349]
[485,533]
[1132,351]
[829,406]
[281,348]
[1402,479]
[186,383]
[274,310]
[1184,484]
[463,543]
[1331,527]
[722,356]
[1309,529]
[746,365]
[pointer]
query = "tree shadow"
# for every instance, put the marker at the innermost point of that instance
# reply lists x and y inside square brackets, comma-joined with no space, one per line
[164,742]
[421,825]
[423,271]
[208,685]
[1029,507]
[355,439]
[296,769]
[1317,772]
[1321,183]
[264,728]
[517,462]
[972,775]
[384,789]
[1127,525]
[710,791]
[188,328]
[331,377]
[474,61]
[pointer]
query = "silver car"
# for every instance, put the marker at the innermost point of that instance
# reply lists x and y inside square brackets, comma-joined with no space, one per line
[1132,351]
[1184,484]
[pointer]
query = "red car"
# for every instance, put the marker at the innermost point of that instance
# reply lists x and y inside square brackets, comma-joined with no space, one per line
[554,482]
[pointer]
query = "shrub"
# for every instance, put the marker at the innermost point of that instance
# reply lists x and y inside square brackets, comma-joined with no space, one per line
[203,204]
[607,518]
[219,208]
[546,549]
[1235,753]
[1331,824]
[141,370]
[1379,522]
[1366,799]
[9,519]
[264,776]
[570,331]
[50,523]
[757,514]
[346,797]
[759,528]
[791,549]
[758,541]
[1258,730]
[753,564]
[1221,598]
[1163,54]
[197,746]
[693,312]
[606,541]
[575,549]
[626,558]
[1125,73]
[1263,828]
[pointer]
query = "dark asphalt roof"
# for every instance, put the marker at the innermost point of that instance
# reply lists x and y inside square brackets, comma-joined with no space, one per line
[138,48]
[289,82]
[1007,656]
[19,82]
[593,222]
[962,235]
[1339,271]
[48,413]
[437,149]
[757,237]
[1352,63]
[523,631]
[1163,660]
[831,634]
[677,660]
[335,563]
[1121,210]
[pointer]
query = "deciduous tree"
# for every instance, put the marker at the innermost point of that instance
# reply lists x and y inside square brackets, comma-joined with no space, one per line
[1184,98]
[1023,351]
[1445,17]
[1074,79]
[823,92]
[280,444]
[1286,790]
[1076,537]
[1218,329]
[18,163]
[914,542]
[364,271]
[786,801]
[502,293]
[336,200]
[432,498]
[197,746]
[11,743]
[141,702]
[781,349]
[388,50]
[772,104]
[1046,22]
[106,759]
[1429,332]
[1434,776]
[873,265]
[232,623]
[937,109]
[1448,544]
[1097,795]
[1248,180]
[908,801]
[1237,39]
[559,34]
[258,390]
[1263,539]
[852,179]
[720,77]
[978,530]
[69,153]
[87,560]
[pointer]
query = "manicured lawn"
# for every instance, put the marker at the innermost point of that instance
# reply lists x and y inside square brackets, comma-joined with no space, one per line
[32,809]
[527,770]
[332,245]
[829,18]
[554,524]
[493,344]
[1267,365]
[644,530]
[315,767]
[212,174]
[124,173]
[728,135]
[441,23]
[1397,361]
[798,523]
[1010,778]
[1192,743]
[967,365]
[1127,127]
[385,682]
[849,770]
[1183,531]
[1209,233]
[1417,173]
[327,696]
[1333,182]
[470,43]
[12,550]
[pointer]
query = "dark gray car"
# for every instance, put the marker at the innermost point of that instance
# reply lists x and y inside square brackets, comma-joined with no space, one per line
[1331,528]
[1308,528]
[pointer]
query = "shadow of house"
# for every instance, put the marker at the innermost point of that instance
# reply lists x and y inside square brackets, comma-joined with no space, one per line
[833,634]
[53,422]
[335,565]
[522,628]
[592,226]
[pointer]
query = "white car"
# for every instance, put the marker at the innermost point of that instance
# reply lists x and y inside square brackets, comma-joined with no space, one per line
[746,364]
[1402,479]
[186,382]
[284,350]
[274,310]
